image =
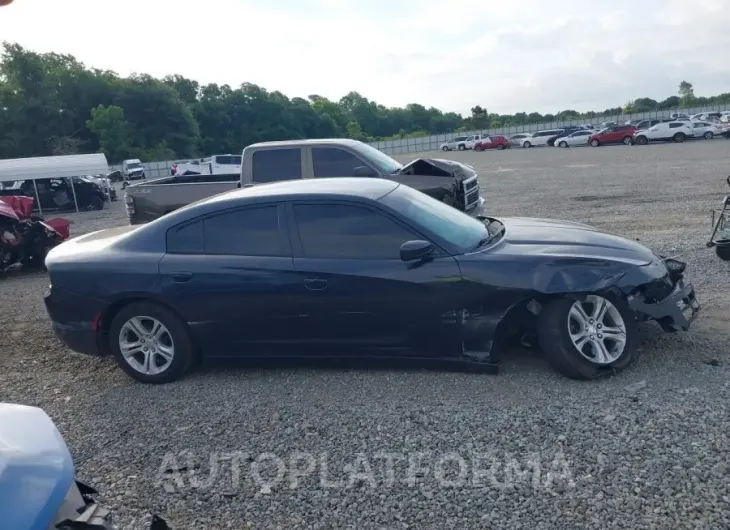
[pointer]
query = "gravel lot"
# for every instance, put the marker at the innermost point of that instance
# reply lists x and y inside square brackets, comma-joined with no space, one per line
[647,448]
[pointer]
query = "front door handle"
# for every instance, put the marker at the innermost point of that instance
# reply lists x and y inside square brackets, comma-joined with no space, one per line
[315,284]
[182,277]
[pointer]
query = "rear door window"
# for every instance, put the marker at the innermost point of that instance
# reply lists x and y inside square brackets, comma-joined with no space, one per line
[333,162]
[246,232]
[273,165]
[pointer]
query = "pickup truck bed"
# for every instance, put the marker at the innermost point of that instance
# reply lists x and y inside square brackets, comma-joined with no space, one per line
[149,200]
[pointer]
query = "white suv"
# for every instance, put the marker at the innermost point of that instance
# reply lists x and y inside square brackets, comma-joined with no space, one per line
[677,131]
[461,142]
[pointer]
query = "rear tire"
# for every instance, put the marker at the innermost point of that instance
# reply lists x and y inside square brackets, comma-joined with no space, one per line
[500,147]
[444,148]
[679,138]
[183,349]
[642,140]
[462,147]
[95,203]
[708,135]
[479,148]
[527,145]
[563,144]
[628,140]
[557,322]
[723,252]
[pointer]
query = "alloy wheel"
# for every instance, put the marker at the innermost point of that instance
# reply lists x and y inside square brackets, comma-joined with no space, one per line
[146,345]
[597,330]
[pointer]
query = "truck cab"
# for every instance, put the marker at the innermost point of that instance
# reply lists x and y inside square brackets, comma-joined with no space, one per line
[220,164]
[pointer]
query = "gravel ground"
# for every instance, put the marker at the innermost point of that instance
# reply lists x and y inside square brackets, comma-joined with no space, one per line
[413,448]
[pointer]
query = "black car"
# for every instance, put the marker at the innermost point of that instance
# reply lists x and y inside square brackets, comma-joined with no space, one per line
[353,267]
[59,193]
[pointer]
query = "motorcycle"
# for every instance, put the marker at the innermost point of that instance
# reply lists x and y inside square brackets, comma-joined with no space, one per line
[26,239]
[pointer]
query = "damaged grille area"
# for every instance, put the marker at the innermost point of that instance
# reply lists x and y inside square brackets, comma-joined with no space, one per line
[471,193]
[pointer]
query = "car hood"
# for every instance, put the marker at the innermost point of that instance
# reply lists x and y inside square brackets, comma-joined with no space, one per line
[36,469]
[548,237]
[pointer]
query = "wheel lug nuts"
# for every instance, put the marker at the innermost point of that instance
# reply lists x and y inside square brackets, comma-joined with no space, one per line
[600,336]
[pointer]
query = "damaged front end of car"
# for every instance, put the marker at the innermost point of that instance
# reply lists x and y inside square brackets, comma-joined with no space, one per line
[25,239]
[669,299]
[462,191]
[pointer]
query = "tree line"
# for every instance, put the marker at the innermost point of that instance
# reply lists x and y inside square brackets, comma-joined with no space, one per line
[52,104]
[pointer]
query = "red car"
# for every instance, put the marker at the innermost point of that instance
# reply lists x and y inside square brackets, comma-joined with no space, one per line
[492,142]
[616,134]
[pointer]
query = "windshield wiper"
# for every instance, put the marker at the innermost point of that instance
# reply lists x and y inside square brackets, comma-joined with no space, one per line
[483,241]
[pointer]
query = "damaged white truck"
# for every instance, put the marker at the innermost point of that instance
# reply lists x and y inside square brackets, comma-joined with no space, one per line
[451,182]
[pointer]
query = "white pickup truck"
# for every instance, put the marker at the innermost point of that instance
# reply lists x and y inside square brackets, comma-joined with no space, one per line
[212,165]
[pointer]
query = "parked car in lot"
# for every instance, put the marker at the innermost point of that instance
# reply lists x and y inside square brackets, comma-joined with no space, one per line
[461,143]
[540,138]
[645,124]
[706,130]
[563,133]
[356,266]
[492,142]
[677,131]
[577,138]
[447,180]
[616,134]
[516,139]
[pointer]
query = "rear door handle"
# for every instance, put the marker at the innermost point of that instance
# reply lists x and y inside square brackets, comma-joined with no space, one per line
[182,277]
[315,284]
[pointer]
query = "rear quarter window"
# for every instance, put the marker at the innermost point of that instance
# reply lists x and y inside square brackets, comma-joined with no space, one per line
[273,165]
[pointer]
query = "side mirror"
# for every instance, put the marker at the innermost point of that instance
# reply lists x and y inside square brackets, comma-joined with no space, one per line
[363,171]
[415,250]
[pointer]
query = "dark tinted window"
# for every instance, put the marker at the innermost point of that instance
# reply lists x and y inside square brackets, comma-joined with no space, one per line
[228,159]
[330,162]
[186,239]
[249,232]
[272,165]
[345,231]
[675,125]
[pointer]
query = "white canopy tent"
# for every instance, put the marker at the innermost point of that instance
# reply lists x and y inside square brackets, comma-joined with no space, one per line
[49,167]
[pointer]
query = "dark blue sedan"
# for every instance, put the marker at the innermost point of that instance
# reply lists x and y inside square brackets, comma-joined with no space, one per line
[355,267]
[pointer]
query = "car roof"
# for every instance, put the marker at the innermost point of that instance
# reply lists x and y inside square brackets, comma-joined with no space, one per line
[315,141]
[369,188]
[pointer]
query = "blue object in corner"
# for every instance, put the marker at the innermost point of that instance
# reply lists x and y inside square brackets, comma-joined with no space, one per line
[36,469]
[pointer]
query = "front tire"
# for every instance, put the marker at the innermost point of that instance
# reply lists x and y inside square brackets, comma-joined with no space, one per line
[462,147]
[679,138]
[479,148]
[151,343]
[95,203]
[500,147]
[642,140]
[590,338]
[444,148]
[595,143]
[563,145]
[628,140]
[708,135]
[527,145]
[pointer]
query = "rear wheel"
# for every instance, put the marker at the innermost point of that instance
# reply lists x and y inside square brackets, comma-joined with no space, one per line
[95,203]
[527,145]
[478,148]
[679,138]
[589,338]
[723,252]
[500,146]
[708,135]
[444,148]
[151,343]
[462,147]
[628,140]
[595,143]
[563,144]
[642,140]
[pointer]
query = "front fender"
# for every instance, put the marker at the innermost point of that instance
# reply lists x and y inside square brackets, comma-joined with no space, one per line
[580,276]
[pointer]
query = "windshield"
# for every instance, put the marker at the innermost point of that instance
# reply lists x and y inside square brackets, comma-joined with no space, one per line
[379,159]
[448,223]
[134,165]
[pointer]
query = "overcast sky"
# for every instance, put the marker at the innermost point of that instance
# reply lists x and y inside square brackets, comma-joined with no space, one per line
[505,55]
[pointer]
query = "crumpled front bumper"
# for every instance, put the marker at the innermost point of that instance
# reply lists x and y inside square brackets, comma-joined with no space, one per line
[675,312]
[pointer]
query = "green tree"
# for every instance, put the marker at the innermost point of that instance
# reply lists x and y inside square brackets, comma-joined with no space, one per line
[686,94]
[113,132]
